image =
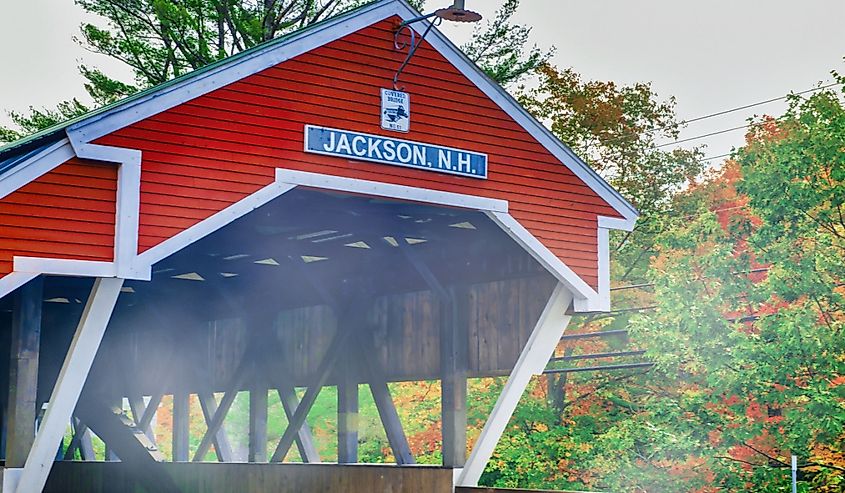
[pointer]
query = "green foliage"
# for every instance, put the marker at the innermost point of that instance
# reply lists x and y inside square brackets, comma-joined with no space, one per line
[616,130]
[501,47]
[38,119]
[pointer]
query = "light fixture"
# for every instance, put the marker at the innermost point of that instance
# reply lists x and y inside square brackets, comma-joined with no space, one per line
[455,13]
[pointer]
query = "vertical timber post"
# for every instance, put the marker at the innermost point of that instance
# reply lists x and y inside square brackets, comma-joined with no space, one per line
[258,423]
[347,413]
[181,425]
[111,455]
[74,372]
[23,372]
[532,360]
[454,319]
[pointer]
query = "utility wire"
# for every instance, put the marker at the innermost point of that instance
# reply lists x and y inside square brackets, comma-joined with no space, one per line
[731,110]
[716,157]
[718,132]
[760,103]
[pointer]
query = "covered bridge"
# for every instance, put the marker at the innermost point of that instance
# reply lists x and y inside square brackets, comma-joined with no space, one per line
[288,218]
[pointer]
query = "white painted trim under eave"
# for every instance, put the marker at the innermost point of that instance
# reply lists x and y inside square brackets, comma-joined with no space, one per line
[227,73]
[13,281]
[35,166]
[64,267]
[389,190]
[585,296]
[617,223]
[127,199]
[145,261]
[603,301]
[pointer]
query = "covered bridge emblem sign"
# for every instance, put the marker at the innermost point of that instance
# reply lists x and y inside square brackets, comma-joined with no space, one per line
[395,110]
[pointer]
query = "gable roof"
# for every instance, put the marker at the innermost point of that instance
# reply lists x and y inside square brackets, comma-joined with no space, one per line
[102,121]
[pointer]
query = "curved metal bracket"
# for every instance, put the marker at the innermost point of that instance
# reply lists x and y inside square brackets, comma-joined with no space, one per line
[412,44]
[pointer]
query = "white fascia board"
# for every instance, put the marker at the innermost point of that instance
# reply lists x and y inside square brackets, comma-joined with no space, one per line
[36,166]
[388,190]
[127,200]
[507,103]
[13,281]
[64,267]
[617,223]
[145,261]
[602,303]
[193,87]
[585,296]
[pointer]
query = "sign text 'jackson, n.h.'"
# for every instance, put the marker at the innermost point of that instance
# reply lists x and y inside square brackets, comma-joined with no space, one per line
[386,150]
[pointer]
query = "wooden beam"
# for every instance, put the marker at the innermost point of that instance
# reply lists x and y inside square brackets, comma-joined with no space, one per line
[384,404]
[130,443]
[537,351]
[138,408]
[454,321]
[258,424]
[347,414]
[181,426]
[21,409]
[81,441]
[337,345]
[391,422]
[216,423]
[111,455]
[150,411]
[74,372]
[304,440]
[222,447]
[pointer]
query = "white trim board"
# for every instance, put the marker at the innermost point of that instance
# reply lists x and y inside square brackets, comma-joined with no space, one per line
[35,166]
[532,360]
[388,190]
[145,261]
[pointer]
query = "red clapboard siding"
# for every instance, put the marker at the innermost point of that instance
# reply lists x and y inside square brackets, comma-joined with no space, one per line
[214,150]
[67,213]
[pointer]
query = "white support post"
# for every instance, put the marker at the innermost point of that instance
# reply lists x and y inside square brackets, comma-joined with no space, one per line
[80,357]
[533,359]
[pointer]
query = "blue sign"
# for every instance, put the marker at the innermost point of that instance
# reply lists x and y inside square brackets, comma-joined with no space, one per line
[386,150]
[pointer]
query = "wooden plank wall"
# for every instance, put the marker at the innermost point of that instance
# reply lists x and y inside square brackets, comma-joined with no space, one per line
[214,150]
[95,477]
[403,327]
[67,213]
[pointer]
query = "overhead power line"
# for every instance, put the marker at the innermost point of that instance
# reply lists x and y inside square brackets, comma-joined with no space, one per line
[732,110]
[718,132]
[759,103]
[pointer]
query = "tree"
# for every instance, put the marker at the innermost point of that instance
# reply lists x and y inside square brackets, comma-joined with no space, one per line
[738,301]
[616,129]
[501,47]
[750,310]
[163,39]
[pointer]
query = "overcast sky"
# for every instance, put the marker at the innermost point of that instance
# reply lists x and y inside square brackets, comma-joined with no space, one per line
[711,55]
